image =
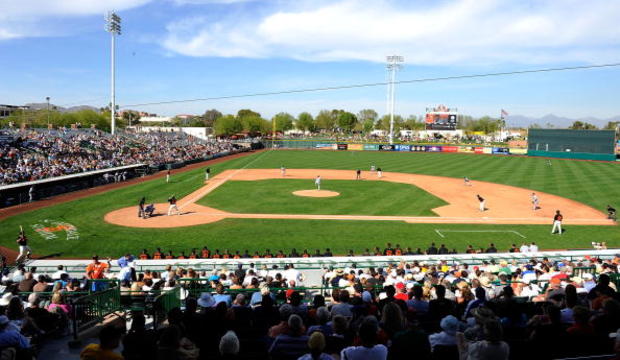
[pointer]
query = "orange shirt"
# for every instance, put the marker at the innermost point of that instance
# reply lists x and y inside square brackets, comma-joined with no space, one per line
[95,271]
[168,257]
[144,256]
[193,256]
[205,254]
[216,256]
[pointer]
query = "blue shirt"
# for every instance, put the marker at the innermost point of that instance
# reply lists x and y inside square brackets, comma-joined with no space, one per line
[222,298]
[11,338]
[122,262]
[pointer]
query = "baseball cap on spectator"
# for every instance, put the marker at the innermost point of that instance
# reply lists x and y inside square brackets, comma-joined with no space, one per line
[206,300]
[213,278]
[400,286]
[418,277]
[410,285]
[366,297]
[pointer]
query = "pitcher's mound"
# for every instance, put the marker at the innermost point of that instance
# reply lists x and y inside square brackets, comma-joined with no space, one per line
[316,193]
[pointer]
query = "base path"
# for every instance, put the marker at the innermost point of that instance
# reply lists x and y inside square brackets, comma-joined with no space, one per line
[505,204]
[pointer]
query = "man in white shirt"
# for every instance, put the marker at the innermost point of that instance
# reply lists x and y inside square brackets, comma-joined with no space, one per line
[524,248]
[533,247]
[58,273]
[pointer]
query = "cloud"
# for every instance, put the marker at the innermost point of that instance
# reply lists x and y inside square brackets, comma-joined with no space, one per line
[26,18]
[447,32]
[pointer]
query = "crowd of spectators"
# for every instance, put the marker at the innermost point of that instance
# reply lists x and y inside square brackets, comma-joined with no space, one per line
[537,308]
[38,154]
[389,250]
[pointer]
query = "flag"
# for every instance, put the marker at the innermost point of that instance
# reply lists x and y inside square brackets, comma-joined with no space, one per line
[504,113]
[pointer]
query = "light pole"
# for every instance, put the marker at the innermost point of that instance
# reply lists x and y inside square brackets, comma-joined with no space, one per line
[113,26]
[393,64]
[47,98]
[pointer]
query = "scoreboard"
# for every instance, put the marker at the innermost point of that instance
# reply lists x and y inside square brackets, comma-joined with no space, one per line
[441,118]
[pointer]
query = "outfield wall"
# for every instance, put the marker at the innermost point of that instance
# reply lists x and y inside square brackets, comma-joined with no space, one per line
[572,144]
[367,146]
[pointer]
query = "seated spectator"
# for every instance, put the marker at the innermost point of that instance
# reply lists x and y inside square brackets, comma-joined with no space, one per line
[316,344]
[293,343]
[58,303]
[221,297]
[109,339]
[447,336]
[229,346]
[41,285]
[139,343]
[343,308]
[369,350]
[322,316]
[27,284]
[491,348]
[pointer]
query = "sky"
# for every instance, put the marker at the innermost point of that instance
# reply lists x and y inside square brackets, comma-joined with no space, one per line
[187,49]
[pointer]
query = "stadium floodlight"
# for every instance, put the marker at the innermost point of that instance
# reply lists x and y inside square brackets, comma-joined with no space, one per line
[47,98]
[113,26]
[393,64]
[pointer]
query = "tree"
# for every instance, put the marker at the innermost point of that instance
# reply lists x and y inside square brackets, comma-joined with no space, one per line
[247,112]
[325,121]
[368,125]
[210,116]
[346,121]
[305,122]
[579,125]
[367,114]
[612,125]
[255,125]
[228,125]
[412,123]
[284,121]
[384,123]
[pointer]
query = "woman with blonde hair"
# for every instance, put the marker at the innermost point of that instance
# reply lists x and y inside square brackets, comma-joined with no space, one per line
[58,302]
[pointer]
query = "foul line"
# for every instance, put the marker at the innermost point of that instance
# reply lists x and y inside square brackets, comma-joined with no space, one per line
[215,186]
[439,232]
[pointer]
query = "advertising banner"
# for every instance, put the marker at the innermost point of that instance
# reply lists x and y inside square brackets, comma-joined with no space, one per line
[403,147]
[325,146]
[478,150]
[501,151]
[371,147]
[341,146]
[449,148]
[518,151]
[466,149]
[487,150]
[386,147]
[418,148]
[433,148]
[356,147]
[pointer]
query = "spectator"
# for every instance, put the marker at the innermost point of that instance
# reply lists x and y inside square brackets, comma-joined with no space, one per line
[293,343]
[109,339]
[491,348]
[369,350]
[316,344]
[447,336]
[229,346]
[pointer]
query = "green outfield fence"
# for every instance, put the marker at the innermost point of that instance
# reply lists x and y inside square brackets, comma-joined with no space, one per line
[572,144]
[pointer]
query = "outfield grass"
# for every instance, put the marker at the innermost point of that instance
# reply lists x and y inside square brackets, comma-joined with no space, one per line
[356,198]
[593,183]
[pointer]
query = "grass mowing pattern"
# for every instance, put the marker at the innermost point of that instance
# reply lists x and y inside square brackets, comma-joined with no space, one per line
[356,198]
[589,182]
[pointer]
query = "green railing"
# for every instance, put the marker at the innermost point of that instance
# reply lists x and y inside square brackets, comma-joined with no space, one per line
[165,302]
[93,308]
[579,271]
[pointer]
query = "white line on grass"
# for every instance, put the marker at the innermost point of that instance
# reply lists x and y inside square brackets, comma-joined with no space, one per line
[196,198]
[440,232]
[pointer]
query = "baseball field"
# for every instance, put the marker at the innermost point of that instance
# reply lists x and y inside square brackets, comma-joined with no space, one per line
[421,198]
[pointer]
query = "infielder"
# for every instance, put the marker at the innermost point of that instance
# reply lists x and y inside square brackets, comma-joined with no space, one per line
[466,181]
[173,205]
[141,207]
[168,176]
[317,182]
[482,203]
[358,174]
[283,170]
[535,202]
[557,223]
[379,173]
[24,249]
[207,173]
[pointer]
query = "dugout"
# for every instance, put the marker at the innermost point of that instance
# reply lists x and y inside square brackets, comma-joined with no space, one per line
[572,144]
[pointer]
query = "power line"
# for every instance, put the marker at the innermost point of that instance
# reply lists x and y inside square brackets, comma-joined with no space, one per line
[353,86]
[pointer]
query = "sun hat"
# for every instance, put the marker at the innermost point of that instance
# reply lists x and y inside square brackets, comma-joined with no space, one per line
[5,299]
[206,300]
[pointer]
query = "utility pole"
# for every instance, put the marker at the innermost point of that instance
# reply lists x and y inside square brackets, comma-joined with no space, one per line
[393,64]
[47,98]
[113,26]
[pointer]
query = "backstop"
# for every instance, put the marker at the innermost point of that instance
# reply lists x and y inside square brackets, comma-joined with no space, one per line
[572,144]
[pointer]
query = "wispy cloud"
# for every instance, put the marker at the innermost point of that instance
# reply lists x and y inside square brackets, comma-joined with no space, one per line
[447,32]
[25,18]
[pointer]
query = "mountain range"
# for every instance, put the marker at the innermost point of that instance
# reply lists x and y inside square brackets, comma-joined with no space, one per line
[555,121]
[43,106]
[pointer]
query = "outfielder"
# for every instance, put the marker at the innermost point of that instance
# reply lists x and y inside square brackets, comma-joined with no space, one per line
[317,182]
[557,223]
[207,173]
[482,203]
[358,174]
[168,176]
[283,170]
[173,205]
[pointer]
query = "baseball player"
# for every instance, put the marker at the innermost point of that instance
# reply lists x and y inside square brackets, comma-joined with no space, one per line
[141,207]
[535,202]
[358,174]
[482,203]
[207,173]
[466,181]
[168,176]
[317,182]
[548,162]
[379,172]
[24,249]
[283,170]
[557,223]
[172,200]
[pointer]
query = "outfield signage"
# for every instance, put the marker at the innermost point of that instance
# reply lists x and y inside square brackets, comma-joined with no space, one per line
[371,147]
[386,147]
[402,147]
[341,147]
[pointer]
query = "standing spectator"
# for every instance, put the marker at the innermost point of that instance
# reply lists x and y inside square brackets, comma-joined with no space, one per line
[96,271]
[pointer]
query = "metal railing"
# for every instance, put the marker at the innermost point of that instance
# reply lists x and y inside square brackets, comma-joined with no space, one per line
[91,309]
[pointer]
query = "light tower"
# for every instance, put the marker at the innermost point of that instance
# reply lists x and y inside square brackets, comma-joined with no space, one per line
[393,64]
[113,26]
